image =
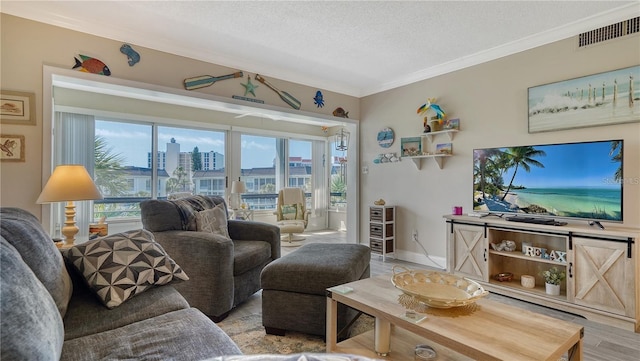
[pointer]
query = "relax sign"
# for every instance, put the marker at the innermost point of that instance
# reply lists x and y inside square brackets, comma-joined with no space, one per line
[557,256]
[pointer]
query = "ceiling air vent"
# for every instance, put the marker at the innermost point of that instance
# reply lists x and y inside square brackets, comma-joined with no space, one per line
[609,32]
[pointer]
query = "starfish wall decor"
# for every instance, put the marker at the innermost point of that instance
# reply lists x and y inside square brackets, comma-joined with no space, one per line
[249,87]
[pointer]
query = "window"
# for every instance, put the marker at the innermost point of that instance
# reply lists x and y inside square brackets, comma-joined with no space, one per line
[338,171]
[127,102]
[122,161]
[211,186]
[259,165]
[120,173]
[108,149]
[193,161]
[300,167]
[269,164]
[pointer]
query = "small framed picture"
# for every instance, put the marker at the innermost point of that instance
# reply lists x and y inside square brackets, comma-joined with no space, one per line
[444,148]
[17,108]
[452,124]
[411,146]
[11,148]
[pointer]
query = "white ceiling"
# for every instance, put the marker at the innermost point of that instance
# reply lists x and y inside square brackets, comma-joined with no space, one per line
[351,47]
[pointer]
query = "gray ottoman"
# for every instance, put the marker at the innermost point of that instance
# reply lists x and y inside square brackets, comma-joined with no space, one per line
[294,286]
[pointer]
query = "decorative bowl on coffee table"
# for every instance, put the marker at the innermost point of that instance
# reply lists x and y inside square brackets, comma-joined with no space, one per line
[437,289]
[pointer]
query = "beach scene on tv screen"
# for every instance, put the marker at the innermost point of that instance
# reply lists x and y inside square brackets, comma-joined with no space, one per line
[581,180]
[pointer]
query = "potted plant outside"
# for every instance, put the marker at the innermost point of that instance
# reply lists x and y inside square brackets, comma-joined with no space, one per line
[552,279]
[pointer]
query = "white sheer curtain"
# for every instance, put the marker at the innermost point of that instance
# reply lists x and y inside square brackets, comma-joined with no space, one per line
[282,163]
[74,143]
[319,179]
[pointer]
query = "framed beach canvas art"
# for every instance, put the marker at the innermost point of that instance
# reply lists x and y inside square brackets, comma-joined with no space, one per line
[17,108]
[611,97]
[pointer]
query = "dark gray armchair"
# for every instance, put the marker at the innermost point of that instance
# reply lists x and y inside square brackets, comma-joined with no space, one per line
[223,273]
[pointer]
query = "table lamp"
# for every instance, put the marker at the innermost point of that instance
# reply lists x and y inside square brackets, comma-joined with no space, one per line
[69,183]
[237,188]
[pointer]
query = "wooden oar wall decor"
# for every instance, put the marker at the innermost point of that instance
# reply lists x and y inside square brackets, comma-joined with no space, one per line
[286,97]
[208,80]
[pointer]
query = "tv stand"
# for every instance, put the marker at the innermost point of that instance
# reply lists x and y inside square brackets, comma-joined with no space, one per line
[596,223]
[602,267]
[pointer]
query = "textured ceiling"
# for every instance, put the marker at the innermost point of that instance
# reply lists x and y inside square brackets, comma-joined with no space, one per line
[352,47]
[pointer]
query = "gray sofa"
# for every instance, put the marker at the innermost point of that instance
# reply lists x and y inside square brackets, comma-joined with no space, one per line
[49,313]
[223,272]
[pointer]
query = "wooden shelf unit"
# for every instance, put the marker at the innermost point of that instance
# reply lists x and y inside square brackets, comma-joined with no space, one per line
[382,224]
[438,158]
[601,266]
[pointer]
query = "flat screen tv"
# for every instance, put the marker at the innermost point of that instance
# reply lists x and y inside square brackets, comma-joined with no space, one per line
[571,180]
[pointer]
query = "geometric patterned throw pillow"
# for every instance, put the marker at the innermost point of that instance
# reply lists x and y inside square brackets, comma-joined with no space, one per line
[122,265]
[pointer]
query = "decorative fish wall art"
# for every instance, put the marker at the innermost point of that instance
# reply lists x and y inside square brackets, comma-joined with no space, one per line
[91,65]
[132,56]
[339,112]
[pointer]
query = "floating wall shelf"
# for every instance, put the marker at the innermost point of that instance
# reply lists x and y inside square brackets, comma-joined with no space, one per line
[438,158]
[449,132]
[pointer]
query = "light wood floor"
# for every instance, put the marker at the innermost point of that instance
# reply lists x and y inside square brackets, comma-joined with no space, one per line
[600,343]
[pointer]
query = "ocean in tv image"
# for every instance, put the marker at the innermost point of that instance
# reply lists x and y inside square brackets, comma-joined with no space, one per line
[575,180]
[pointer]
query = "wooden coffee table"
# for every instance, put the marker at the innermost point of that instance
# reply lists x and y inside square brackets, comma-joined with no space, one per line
[487,330]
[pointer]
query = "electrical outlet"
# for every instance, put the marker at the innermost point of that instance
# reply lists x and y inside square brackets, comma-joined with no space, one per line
[415,235]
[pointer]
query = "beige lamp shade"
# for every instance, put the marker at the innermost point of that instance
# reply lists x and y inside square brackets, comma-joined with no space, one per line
[238,187]
[69,183]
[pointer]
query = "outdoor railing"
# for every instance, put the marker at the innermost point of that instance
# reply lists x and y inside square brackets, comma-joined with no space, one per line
[129,207]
